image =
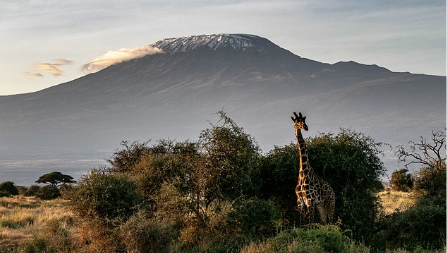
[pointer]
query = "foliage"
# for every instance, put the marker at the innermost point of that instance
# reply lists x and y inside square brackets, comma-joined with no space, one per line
[350,163]
[422,225]
[431,155]
[418,226]
[327,238]
[48,192]
[125,159]
[279,173]
[32,190]
[431,181]
[105,197]
[7,189]
[231,159]
[401,181]
[254,216]
[220,194]
[143,234]
[55,179]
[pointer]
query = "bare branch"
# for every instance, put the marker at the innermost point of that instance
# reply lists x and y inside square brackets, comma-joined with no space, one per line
[423,152]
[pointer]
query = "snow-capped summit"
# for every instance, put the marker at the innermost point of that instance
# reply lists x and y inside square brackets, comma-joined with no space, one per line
[239,42]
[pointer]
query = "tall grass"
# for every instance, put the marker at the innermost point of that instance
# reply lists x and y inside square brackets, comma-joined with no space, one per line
[393,201]
[24,220]
[28,224]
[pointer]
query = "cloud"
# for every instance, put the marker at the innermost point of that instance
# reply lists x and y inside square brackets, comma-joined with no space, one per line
[114,57]
[55,68]
[32,74]
[61,61]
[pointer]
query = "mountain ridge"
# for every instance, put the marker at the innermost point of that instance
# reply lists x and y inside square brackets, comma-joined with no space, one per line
[174,96]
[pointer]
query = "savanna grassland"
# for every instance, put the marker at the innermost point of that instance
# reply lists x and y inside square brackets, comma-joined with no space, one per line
[222,194]
[28,224]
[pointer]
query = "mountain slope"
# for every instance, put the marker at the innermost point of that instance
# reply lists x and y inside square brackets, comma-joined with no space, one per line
[259,84]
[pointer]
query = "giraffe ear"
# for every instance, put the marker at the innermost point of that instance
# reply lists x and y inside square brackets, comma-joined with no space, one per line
[304,118]
[292,119]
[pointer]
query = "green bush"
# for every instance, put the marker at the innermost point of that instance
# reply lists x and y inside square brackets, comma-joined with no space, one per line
[254,216]
[350,163]
[144,234]
[431,180]
[35,245]
[48,192]
[279,173]
[401,181]
[231,159]
[418,226]
[33,190]
[327,238]
[106,197]
[7,189]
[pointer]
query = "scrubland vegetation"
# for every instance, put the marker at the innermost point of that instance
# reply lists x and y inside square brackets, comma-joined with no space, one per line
[221,194]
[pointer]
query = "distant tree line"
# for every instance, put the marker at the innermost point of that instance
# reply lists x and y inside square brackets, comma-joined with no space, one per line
[54,181]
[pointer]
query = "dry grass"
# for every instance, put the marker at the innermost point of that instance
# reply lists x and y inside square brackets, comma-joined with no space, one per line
[23,218]
[394,200]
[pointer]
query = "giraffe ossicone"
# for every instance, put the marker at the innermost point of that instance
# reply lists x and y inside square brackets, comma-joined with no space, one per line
[311,191]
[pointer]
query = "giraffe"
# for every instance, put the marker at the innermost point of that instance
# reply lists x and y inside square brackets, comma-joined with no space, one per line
[311,191]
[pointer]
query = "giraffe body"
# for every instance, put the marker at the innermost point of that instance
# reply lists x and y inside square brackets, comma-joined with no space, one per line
[311,191]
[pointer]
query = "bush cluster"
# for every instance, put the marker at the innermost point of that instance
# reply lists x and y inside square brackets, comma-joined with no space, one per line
[422,225]
[8,189]
[219,192]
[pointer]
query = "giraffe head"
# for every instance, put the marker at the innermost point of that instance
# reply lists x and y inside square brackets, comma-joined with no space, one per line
[299,122]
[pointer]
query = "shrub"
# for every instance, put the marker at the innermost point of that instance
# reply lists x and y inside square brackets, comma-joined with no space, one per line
[279,172]
[35,245]
[33,190]
[231,161]
[142,234]
[401,181]
[431,180]
[48,192]
[125,159]
[8,188]
[254,216]
[350,163]
[320,239]
[419,226]
[105,197]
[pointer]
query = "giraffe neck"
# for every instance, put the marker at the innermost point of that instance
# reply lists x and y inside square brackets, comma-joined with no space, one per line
[305,169]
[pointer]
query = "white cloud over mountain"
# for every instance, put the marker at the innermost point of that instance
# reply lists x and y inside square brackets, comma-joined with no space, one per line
[114,57]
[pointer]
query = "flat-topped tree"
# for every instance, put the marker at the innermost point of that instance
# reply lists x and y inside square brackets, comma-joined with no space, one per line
[55,179]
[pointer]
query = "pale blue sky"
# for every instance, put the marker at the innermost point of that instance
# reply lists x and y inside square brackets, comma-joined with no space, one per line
[45,42]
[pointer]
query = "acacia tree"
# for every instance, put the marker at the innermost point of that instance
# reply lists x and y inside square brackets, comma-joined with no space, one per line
[55,179]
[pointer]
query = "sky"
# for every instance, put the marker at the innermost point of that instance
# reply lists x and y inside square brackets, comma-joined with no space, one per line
[48,42]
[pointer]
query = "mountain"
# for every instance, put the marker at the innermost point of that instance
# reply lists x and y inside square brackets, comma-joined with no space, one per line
[176,93]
